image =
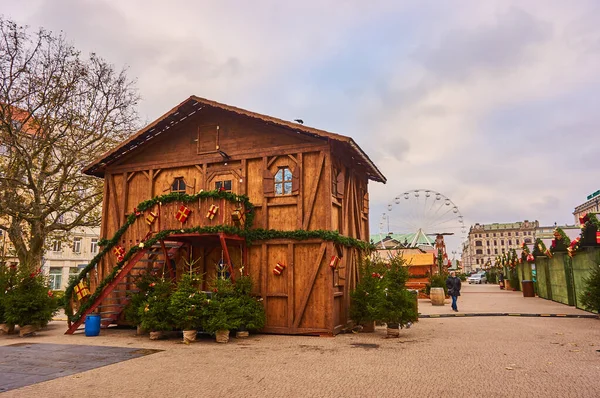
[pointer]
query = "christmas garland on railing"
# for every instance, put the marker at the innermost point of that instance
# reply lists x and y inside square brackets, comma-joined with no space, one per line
[540,249]
[249,235]
[561,241]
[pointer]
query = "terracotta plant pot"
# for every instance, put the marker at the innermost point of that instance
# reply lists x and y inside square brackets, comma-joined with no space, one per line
[241,334]
[189,336]
[222,336]
[6,328]
[27,330]
[157,335]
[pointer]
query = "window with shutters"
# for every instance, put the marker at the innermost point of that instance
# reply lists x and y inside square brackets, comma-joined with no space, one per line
[337,184]
[208,139]
[283,181]
[178,185]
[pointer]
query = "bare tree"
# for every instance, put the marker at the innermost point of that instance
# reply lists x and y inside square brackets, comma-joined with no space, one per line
[58,112]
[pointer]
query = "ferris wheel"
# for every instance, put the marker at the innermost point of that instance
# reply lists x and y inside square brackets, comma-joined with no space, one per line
[418,215]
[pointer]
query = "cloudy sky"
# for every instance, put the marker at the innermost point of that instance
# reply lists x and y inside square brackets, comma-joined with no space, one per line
[493,103]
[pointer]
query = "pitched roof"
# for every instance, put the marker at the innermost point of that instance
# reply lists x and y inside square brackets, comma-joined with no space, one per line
[193,104]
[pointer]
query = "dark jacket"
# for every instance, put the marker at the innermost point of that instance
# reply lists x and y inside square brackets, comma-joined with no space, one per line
[453,285]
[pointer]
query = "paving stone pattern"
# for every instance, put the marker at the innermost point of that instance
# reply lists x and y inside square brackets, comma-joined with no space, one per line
[22,364]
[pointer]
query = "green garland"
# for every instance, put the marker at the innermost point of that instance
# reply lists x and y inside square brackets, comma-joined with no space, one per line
[561,243]
[249,235]
[539,249]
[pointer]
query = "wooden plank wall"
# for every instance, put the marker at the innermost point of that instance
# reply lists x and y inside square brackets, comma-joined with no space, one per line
[308,297]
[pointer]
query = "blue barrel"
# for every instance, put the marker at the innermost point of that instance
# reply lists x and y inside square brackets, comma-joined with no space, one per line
[92,325]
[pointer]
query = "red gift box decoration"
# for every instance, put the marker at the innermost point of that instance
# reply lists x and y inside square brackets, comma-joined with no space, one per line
[278,268]
[212,212]
[583,219]
[574,242]
[335,261]
[598,237]
[530,258]
[237,217]
[119,251]
[548,253]
[182,214]
[150,218]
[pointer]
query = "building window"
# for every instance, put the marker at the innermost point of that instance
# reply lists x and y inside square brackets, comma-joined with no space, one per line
[225,185]
[56,246]
[494,234]
[495,243]
[510,242]
[502,242]
[94,246]
[516,234]
[503,250]
[478,251]
[488,251]
[283,181]
[73,271]
[487,243]
[487,235]
[478,243]
[495,251]
[178,185]
[501,233]
[55,278]
[527,240]
[77,245]
[509,234]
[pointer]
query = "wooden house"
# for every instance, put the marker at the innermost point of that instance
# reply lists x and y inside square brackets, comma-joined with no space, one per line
[296,177]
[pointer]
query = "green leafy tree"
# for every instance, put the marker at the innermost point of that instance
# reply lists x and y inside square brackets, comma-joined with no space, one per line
[8,277]
[222,309]
[398,305]
[30,301]
[155,315]
[590,298]
[251,312]
[58,111]
[187,304]
[364,300]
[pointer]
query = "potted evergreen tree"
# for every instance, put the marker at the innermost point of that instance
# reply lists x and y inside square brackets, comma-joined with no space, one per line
[187,306]
[398,306]
[30,303]
[251,312]
[364,300]
[138,300]
[154,314]
[221,313]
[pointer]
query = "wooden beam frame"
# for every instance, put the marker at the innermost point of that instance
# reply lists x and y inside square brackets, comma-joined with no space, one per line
[310,285]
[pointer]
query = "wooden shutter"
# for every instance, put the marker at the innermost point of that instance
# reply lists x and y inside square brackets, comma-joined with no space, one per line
[296,175]
[268,183]
[208,139]
[340,185]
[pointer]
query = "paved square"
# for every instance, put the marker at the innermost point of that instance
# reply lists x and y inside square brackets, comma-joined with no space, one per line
[23,364]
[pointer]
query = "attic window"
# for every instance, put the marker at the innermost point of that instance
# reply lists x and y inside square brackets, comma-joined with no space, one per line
[178,185]
[283,181]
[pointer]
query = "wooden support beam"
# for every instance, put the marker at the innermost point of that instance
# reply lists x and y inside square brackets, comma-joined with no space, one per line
[226,254]
[290,284]
[300,193]
[130,176]
[313,196]
[310,285]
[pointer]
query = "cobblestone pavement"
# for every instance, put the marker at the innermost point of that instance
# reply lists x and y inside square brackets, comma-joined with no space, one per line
[464,357]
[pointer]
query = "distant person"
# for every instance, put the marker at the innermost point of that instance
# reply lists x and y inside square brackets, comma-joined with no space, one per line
[501,280]
[453,285]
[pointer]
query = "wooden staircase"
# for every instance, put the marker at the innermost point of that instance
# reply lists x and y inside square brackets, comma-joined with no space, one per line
[116,295]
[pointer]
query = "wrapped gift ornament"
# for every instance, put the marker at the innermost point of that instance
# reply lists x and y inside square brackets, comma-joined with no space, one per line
[119,251]
[583,219]
[151,217]
[334,262]
[212,212]
[279,267]
[598,237]
[238,217]
[183,214]
[530,258]
[81,290]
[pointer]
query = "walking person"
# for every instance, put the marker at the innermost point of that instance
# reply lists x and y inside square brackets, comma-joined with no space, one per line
[501,280]
[453,285]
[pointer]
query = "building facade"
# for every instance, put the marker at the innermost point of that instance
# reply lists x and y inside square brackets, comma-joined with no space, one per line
[591,205]
[486,241]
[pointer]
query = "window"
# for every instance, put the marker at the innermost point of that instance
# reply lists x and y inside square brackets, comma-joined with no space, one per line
[478,243]
[487,235]
[502,242]
[509,234]
[495,243]
[510,242]
[516,234]
[487,243]
[77,245]
[283,181]
[226,185]
[495,251]
[178,185]
[501,233]
[73,271]
[494,234]
[94,246]
[56,246]
[478,251]
[488,251]
[527,240]
[503,250]
[55,278]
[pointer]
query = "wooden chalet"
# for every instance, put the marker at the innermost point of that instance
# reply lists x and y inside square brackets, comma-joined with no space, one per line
[296,177]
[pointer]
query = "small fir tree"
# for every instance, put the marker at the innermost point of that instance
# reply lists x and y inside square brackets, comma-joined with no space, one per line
[365,298]
[138,299]
[155,315]
[398,306]
[251,312]
[187,304]
[590,298]
[30,301]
